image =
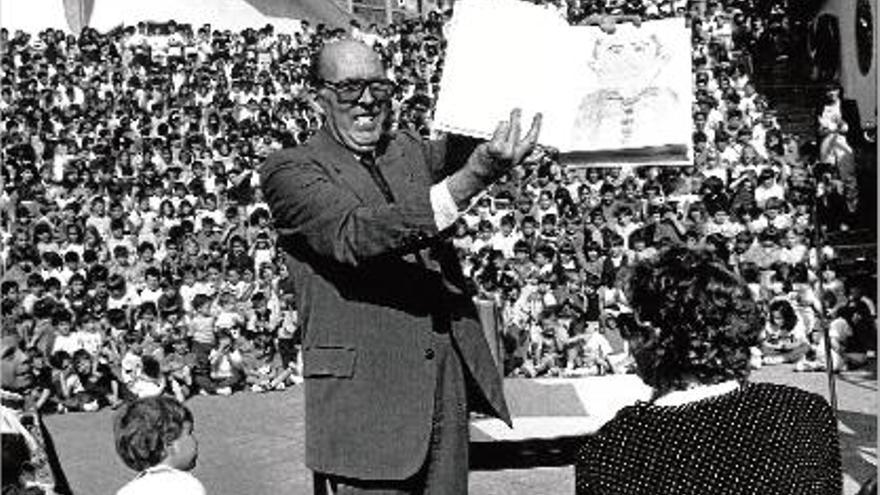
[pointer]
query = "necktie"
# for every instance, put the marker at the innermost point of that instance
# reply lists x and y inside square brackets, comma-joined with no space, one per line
[369,162]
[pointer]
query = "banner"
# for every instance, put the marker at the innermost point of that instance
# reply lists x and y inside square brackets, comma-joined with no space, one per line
[606,98]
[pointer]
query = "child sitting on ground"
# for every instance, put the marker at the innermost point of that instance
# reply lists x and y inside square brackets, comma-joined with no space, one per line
[548,352]
[150,382]
[225,368]
[154,437]
[784,339]
[88,387]
[588,352]
[177,365]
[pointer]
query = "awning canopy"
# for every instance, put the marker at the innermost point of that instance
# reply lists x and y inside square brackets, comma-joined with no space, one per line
[71,15]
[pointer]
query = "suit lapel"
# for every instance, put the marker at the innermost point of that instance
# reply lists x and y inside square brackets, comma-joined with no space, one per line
[395,169]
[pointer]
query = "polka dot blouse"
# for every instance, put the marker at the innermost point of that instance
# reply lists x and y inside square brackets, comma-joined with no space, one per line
[760,439]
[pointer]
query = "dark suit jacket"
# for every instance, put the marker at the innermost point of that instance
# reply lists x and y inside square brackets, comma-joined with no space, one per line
[373,281]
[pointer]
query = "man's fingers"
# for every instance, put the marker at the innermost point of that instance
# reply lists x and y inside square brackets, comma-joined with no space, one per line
[528,142]
[515,130]
[535,129]
[499,137]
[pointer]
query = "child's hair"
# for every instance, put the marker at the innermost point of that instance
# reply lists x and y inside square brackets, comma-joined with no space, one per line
[199,301]
[81,355]
[151,367]
[53,284]
[57,359]
[120,252]
[144,428]
[35,279]
[152,272]
[147,309]
[61,315]
[71,257]
[223,333]
[145,246]
[116,282]
[116,318]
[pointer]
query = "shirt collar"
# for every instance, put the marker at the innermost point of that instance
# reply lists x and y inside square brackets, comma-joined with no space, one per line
[697,393]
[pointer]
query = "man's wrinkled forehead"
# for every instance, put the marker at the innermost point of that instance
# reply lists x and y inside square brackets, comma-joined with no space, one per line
[347,59]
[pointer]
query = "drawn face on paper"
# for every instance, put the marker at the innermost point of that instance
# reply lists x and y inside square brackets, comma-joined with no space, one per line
[632,62]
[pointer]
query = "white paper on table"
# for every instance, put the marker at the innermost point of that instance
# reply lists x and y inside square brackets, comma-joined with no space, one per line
[621,93]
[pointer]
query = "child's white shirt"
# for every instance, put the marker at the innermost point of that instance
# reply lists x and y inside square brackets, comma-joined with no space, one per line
[150,295]
[164,480]
[90,341]
[67,343]
[263,256]
[187,293]
[144,387]
[597,345]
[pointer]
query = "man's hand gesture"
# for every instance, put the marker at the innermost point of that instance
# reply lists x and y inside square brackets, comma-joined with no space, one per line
[494,158]
[505,150]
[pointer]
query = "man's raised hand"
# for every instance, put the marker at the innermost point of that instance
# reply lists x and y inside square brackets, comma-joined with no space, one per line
[494,158]
[506,149]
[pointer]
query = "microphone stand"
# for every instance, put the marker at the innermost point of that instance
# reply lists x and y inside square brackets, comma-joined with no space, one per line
[819,245]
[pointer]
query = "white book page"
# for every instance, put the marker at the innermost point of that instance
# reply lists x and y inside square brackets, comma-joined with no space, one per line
[502,54]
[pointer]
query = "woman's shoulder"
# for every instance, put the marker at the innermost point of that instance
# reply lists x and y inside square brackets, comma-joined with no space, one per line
[743,422]
[768,399]
[774,395]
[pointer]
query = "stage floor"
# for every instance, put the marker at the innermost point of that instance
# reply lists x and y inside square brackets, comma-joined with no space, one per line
[253,444]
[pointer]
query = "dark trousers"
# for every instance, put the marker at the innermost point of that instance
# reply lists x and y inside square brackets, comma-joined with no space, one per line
[445,469]
[287,349]
[203,381]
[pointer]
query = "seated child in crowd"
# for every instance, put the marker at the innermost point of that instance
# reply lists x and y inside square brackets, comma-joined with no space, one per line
[548,352]
[177,366]
[225,373]
[89,387]
[150,382]
[784,338]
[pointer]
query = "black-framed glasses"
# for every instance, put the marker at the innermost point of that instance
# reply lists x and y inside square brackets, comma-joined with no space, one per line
[351,90]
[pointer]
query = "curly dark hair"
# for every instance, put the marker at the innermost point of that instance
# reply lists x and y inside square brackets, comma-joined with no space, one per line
[145,428]
[697,320]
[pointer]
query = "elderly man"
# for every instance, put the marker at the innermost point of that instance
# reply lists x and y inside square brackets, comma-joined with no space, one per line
[394,357]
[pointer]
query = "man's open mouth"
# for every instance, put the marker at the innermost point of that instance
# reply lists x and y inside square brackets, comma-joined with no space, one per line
[365,120]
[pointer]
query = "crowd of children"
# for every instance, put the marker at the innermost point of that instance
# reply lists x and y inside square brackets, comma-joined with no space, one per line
[139,258]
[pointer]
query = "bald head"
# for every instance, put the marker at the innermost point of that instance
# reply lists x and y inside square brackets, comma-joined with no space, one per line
[348,59]
[355,95]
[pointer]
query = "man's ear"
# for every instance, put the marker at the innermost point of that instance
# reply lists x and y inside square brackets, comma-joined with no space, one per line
[323,100]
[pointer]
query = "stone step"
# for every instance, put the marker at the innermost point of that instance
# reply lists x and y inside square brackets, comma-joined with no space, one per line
[853,237]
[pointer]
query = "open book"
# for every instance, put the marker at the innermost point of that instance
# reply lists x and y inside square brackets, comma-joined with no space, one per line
[606,98]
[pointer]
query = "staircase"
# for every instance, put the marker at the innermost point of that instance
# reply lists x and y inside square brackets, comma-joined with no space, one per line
[792,96]
[795,98]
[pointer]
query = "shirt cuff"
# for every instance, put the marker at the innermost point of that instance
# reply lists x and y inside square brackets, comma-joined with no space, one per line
[446,212]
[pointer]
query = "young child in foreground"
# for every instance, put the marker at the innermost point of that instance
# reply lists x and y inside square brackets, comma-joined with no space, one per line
[154,437]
